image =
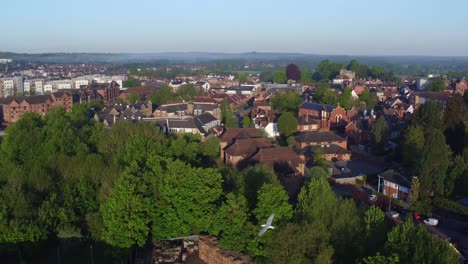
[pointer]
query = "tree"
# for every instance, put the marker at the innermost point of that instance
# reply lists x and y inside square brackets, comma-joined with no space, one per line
[163,95]
[267,76]
[181,183]
[319,160]
[293,72]
[232,220]
[415,188]
[433,167]
[126,215]
[242,77]
[306,76]
[326,71]
[316,172]
[429,115]
[379,259]
[380,134]
[253,179]
[287,124]
[377,71]
[227,115]
[412,147]
[286,102]
[247,122]
[272,198]
[279,76]
[132,98]
[437,85]
[300,243]
[454,117]
[346,99]
[375,230]
[416,245]
[369,98]
[318,205]
[131,82]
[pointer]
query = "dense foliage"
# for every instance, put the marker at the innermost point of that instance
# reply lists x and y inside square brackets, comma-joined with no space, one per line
[63,176]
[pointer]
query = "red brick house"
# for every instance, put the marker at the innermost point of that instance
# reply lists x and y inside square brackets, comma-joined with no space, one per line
[320,138]
[142,91]
[15,107]
[315,117]
[231,134]
[394,184]
[329,144]
[242,149]
[109,92]
[357,132]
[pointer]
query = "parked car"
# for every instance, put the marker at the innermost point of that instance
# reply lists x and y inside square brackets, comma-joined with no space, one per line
[372,197]
[393,214]
[416,216]
[431,221]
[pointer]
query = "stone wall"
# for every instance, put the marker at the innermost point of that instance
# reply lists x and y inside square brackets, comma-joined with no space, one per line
[210,253]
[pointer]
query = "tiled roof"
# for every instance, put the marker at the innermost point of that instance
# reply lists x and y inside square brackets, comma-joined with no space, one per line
[395,177]
[232,133]
[319,137]
[247,147]
[318,107]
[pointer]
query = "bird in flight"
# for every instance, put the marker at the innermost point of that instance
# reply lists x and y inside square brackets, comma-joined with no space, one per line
[267,226]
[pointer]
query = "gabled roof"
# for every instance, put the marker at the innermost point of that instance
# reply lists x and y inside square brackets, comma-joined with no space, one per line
[317,107]
[282,159]
[247,147]
[326,149]
[233,133]
[395,177]
[205,118]
[325,136]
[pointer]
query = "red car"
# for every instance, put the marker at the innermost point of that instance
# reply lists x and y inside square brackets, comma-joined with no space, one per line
[416,216]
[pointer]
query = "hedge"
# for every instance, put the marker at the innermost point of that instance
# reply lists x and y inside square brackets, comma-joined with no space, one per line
[451,206]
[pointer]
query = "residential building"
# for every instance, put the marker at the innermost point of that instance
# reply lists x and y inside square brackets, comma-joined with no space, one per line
[231,134]
[15,107]
[315,117]
[11,86]
[187,109]
[395,185]
[244,148]
[203,125]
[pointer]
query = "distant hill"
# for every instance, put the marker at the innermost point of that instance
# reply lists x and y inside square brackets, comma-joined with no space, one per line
[191,57]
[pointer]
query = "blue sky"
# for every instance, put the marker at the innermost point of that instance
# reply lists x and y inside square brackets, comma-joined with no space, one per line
[358,27]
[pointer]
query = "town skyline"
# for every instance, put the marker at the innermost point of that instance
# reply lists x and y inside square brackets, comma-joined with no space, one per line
[364,28]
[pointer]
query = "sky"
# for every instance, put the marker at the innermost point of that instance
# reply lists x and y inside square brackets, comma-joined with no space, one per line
[328,27]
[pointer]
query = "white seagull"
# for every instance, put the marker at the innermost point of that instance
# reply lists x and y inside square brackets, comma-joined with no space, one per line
[267,225]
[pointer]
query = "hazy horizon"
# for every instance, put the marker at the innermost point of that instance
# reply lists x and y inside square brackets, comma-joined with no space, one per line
[337,27]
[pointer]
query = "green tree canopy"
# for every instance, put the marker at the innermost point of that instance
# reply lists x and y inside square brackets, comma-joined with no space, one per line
[131,82]
[247,122]
[437,85]
[272,198]
[286,102]
[287,124]
[279,76]
[132,98]
[380,133]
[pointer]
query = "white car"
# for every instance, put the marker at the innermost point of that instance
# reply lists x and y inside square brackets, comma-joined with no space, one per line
[431,221]
[393,214]
[372,197]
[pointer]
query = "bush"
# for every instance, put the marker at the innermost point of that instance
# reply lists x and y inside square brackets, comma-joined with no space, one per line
[451,206]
